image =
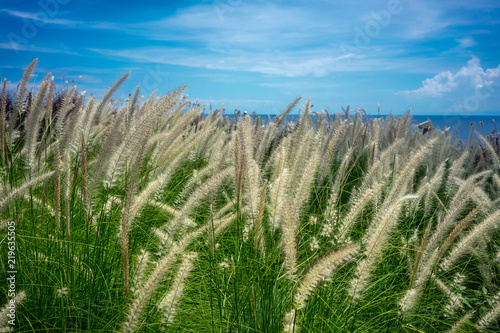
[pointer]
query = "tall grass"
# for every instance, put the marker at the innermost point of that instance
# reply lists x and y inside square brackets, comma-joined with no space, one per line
[145,216]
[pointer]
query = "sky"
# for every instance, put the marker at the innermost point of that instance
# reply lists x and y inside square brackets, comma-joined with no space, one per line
[435,57]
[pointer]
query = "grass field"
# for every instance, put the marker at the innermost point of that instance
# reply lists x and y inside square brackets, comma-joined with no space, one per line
[147,216]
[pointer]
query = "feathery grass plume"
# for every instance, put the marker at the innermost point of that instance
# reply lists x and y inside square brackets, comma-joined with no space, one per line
[201,138]
[23,88]
[141,199]
[164,207]
[341,176]
[88,119]
[375,148]
[133,148]
[252,169]
[479,197]
[331,214]
[108,145]
[289,322]
[3,125]
[420,253]
[266,144]
[287,111]
[492,151]
[496,179]
[412,295]
[454,302]
[374,241]
[197,178]
[431,188]
[321,270]
[166,139]
[460,199]
[239,169]
[223,223]
[471,238]
[32,122]
[144,294]
[8,197]
[357,204]
[70,136]
[57,185]
[140,269]
[110,92]
[480,251]
[85,188]
[61,113]
[288,229]
[416,157]
[304,172]
[330,149]
[258,244]
[375,173]
[280,156]
[403,124]
[147,105]
[278,192]
[47,133]
[50,100]
[3,224]
[211,185]
[132,108]
[4,312]
[489,317]
[459,228]
[457,327]
[304,121]
[169,302]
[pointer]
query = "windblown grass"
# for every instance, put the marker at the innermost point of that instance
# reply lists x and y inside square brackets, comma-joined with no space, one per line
[145,216]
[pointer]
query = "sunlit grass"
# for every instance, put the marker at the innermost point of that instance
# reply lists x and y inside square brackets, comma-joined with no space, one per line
[150,216]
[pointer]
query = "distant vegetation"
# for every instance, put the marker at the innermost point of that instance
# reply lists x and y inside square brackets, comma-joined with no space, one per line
[148,215]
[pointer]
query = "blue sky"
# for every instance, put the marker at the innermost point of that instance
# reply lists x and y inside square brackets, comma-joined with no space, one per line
[434,57]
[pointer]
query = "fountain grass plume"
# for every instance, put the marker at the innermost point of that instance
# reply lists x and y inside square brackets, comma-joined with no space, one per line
[259,237]
[374,241]
[145,293]
[489,224]
[21,95]
[321,270]
[457,327]
[492,151]
[169,302]
[3,125]
[33,120]
[288,230]
[9,196]
[5,314]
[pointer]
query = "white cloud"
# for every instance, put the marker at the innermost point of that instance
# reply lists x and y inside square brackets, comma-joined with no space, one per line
[43,19]
[468,79]
[465,42]
[319,62]
[32,48]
